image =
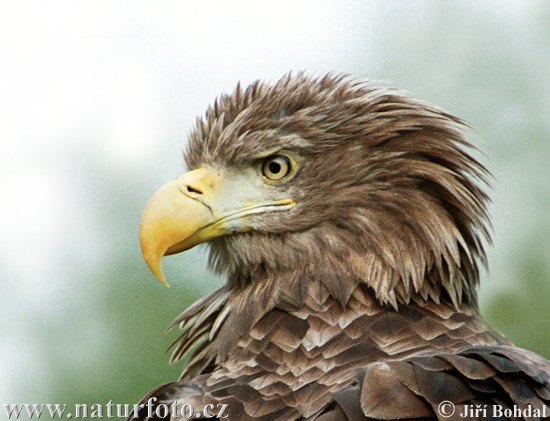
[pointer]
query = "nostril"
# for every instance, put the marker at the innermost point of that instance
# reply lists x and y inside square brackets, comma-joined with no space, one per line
[192,189]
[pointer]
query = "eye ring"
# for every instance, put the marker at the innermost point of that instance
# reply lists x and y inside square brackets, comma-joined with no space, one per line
[276,167]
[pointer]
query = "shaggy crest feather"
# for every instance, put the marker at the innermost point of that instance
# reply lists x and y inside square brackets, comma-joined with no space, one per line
[415,210]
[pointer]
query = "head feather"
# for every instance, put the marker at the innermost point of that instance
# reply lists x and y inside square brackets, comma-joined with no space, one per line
[387,186]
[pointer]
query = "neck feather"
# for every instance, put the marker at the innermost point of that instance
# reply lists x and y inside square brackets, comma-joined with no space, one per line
[212,327]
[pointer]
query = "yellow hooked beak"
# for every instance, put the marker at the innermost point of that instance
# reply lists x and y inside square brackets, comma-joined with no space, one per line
[196,207]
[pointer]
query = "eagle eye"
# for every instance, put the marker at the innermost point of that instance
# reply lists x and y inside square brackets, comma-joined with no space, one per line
[276,167]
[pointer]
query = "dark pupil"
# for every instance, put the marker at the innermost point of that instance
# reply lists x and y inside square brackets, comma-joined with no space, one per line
[274,167]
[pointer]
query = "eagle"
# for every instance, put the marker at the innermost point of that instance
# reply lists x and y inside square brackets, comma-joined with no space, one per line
[350,222]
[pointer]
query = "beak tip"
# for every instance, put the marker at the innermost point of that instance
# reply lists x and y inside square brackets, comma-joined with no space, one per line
[159,274]
[164,282]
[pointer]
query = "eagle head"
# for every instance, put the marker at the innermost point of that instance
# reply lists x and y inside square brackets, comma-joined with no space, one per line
[308,174]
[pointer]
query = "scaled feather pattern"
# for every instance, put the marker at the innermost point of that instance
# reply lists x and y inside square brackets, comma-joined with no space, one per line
[359,302]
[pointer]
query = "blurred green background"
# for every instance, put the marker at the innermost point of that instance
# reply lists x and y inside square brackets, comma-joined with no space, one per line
[96,101]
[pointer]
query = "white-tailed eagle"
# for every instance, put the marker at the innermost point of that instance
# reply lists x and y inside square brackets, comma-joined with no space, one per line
[349,221]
